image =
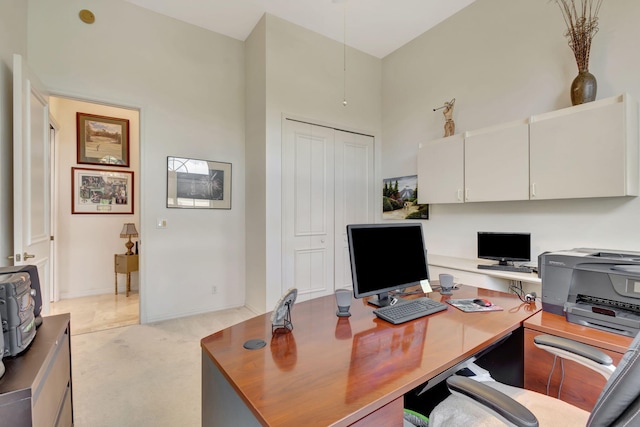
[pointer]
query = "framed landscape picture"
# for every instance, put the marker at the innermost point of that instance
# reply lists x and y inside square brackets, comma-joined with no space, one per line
[102,140]
[101,191]
[400,199]
[198,184]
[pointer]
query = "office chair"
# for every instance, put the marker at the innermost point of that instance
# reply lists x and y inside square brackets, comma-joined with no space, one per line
[617,405]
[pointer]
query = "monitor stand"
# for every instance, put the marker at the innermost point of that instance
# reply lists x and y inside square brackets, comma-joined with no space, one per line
[383,299]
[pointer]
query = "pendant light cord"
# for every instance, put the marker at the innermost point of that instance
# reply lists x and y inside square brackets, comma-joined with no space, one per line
[344,56]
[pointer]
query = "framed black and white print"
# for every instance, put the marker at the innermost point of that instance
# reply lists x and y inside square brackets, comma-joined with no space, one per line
[198,184]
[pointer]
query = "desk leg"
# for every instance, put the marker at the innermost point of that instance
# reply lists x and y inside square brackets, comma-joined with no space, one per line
[128,283]
[116,283]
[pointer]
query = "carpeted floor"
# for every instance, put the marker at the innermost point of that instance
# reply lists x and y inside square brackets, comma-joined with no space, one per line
[143,375]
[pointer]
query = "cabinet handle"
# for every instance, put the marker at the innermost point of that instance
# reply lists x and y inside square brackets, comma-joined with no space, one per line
[466,195]
[533,189]
[459,195]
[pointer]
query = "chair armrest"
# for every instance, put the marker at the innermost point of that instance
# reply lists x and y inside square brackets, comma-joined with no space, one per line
[496,402]
[583,354]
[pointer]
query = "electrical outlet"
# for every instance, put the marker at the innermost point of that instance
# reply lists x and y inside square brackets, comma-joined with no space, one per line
[214,290]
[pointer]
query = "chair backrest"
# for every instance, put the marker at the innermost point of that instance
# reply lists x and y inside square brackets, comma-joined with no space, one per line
[619,402]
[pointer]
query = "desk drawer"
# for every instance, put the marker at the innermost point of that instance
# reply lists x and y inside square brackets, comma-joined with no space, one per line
[49,393]
[65,417]
[126,263]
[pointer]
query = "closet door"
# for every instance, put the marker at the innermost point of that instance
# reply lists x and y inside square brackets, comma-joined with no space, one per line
[308,209]
[354,195]
[328,182]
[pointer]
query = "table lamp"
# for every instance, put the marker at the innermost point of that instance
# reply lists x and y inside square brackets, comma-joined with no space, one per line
[129,230]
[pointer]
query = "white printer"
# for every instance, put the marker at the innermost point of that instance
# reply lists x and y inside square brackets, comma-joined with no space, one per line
[593,287]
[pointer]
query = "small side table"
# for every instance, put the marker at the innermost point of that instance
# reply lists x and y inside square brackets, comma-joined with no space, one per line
[125,264]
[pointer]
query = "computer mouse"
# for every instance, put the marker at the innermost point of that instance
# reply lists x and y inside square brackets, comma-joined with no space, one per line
[482,302]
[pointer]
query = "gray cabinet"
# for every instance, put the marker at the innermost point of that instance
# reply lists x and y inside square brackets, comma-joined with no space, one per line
[35,390]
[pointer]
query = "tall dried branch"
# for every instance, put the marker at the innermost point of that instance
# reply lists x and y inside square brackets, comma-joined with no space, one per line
[582,26]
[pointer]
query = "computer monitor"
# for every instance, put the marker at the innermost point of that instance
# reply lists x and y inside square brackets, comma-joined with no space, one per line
[504,247]
[386,257]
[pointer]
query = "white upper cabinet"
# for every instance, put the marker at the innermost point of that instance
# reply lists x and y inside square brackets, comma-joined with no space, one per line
[441,170]
[589,150]
[496,163]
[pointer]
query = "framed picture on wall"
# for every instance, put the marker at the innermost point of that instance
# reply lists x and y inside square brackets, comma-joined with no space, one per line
[400,199]
[198,184]
[101,191]
[102,140]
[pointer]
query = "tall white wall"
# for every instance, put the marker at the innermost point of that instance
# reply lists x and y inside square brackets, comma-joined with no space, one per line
[505,60]
[189,86]
[86,243]
[13,39]
[256,166]
[304,77]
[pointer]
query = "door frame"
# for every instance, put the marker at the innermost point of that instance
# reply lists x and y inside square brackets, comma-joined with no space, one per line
[142,310]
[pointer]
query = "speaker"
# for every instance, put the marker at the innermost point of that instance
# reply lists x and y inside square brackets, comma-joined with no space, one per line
[343,299]
[446,284]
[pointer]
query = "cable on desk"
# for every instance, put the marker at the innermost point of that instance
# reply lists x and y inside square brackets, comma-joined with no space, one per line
[516,288]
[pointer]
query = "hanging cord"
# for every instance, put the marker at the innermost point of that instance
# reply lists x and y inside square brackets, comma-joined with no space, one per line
[344,56]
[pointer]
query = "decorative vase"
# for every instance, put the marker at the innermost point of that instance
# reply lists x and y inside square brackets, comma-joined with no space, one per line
[583,88]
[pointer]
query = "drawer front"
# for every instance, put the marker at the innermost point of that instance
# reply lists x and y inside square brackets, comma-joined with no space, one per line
[65,417]
[50,392]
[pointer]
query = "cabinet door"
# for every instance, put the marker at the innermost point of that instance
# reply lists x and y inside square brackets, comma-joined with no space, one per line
[588,150]
[496,163]
[441,170]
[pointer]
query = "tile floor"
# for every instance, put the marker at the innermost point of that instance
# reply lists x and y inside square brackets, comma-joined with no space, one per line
[100,312]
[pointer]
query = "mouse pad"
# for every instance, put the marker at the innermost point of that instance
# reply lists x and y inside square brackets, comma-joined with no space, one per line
[467,304]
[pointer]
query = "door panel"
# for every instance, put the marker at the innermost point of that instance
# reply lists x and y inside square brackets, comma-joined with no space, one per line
[31,175]
[308,175]
[355,195]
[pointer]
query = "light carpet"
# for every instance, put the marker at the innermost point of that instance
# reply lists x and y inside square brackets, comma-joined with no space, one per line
[144,375]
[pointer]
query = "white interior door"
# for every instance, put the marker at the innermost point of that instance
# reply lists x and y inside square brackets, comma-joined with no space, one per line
[308,226]
[354,195]
[328,182]
[31,175]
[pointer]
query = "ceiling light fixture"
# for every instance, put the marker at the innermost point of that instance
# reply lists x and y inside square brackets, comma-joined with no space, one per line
[87,16]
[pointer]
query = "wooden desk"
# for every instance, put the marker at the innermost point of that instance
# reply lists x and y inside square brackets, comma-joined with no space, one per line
[125,264]
[334,371]
[581,386]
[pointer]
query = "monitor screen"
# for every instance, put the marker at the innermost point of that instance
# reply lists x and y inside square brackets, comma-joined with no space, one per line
[504,247]
[386,257]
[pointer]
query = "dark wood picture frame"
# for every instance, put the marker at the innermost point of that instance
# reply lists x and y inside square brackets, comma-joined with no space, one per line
[101,191]
[102,140]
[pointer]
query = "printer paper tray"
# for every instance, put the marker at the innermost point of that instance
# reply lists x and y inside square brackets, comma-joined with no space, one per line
[624,323]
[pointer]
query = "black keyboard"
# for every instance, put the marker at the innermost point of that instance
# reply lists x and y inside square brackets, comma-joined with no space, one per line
[408,310]
[505,268]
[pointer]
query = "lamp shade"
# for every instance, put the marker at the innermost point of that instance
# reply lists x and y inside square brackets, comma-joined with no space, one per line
[129,230]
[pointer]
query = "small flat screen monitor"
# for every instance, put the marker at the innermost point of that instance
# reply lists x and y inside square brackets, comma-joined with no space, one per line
[386,257]
[504,247]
